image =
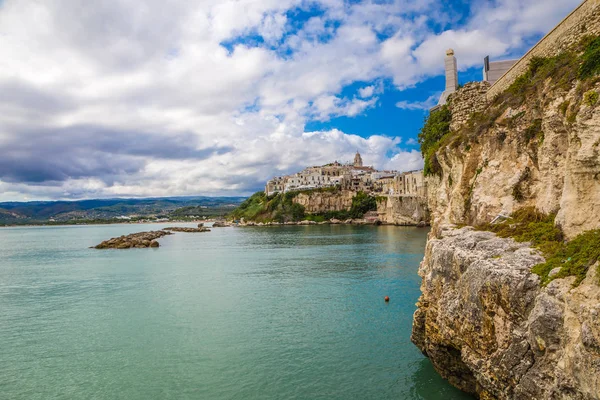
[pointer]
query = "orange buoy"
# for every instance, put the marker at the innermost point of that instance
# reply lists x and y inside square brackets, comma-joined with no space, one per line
[387,298]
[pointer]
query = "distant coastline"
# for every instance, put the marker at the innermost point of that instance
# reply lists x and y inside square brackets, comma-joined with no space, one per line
[111,211]
[98,223]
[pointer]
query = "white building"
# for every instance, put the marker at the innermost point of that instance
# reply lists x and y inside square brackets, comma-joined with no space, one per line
[355,177]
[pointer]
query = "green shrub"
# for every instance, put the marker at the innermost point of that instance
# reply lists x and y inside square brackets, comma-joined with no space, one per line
[573,258]
[591,98]
[560,69]
[564,106]
[361,204]
[262,208]
[281,208]
[534,130]
[296,211]
[528,225]
[434,129]
[251,207]
[590,65]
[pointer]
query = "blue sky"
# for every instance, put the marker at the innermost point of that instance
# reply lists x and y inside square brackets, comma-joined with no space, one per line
[386,118]
[134,99]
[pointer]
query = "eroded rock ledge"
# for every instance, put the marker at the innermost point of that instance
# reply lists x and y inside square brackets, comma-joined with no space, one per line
[490,328]
[135,240]
[187,230]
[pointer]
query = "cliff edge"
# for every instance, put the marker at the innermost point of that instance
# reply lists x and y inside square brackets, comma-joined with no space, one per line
[491,329]
[491,320]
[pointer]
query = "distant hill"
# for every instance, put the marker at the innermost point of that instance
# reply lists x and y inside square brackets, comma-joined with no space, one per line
[107,210]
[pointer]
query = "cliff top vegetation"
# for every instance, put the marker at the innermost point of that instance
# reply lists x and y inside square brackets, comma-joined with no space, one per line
[281,207]
[574,258]
[435,128]
[579,67]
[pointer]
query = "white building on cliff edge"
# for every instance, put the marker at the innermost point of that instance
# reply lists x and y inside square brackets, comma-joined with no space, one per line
[354,177]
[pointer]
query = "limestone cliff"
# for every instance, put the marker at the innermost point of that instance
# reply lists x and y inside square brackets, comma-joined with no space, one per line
[393,210]
[315,202]
[547,156]
[491,330]
[484,319]
[403,210]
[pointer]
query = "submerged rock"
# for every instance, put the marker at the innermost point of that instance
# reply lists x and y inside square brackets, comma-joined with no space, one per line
[135,240]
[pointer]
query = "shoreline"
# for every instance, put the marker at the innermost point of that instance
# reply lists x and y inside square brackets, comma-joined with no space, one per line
[312,223]
[229,225]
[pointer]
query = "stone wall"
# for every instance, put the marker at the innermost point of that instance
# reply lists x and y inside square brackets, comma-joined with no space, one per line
[467,100]
[584,20]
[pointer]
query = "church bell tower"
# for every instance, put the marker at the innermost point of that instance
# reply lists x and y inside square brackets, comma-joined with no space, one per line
[358,162]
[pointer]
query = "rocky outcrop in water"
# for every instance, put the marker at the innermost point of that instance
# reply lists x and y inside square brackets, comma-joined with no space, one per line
[220,224]
[490,328]
[135,240]
[187,230]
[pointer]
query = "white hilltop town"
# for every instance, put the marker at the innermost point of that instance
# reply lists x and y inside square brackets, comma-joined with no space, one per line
[357,177]
[351,176]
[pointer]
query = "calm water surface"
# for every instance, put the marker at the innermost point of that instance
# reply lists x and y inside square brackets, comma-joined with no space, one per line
[237,313]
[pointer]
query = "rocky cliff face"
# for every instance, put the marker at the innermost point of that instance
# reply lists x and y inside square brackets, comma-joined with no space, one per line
[483,319]
[403,210]
[543,153]
[491,330]
[320,202]
[394,210]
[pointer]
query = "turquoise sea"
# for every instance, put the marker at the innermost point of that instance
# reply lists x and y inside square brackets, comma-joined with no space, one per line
[237,313]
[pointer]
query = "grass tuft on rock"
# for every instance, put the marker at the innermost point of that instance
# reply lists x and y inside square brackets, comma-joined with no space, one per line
[590,65]
[574,258]
[529,225]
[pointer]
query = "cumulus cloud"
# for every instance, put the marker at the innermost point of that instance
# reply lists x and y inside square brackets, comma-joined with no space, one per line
[419,105]
[213,97]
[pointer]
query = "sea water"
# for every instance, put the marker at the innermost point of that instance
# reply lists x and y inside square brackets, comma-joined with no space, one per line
[236,313]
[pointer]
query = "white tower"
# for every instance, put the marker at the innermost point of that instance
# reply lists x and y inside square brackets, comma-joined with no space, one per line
[451,76]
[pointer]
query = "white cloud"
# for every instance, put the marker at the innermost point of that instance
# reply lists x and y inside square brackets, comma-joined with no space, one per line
[326,107]
[366,91]
[369,91]
[470,46]
[135,99]
[419,105]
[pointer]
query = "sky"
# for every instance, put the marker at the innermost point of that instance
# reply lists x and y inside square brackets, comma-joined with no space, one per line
[148,98]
